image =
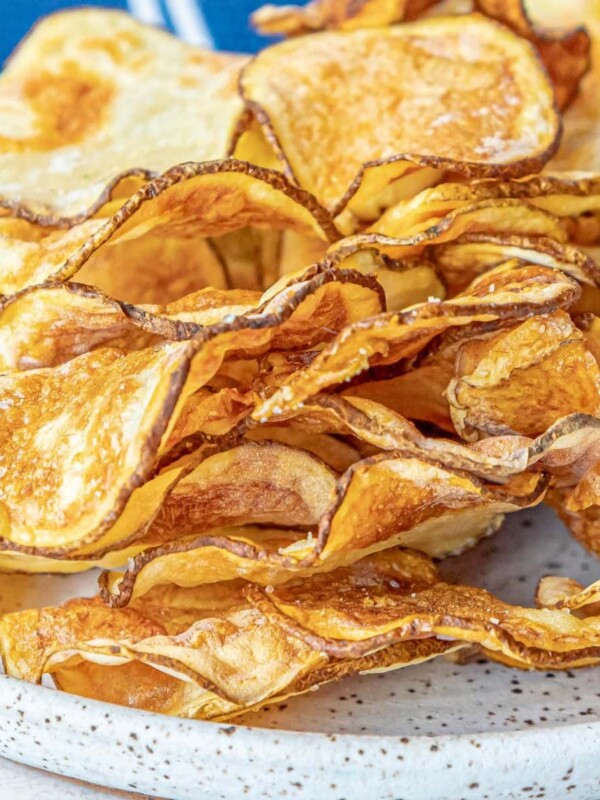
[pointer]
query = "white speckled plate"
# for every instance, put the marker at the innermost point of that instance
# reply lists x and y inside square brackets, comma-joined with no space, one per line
[432,732]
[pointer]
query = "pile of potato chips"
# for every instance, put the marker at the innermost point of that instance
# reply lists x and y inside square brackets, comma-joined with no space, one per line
[277,333]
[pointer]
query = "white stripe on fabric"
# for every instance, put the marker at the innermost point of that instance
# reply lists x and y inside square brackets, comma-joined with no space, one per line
[189,23]
[147,11]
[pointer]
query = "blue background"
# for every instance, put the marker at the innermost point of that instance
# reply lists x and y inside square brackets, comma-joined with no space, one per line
[226,20]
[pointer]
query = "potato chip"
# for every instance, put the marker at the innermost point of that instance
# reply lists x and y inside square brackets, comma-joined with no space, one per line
[75,123]
[584,523]
[449,209]
[167,223]
[460,262]
[48,324]
[505,293]
[233,649]
[191,653]
[523,379]
[71,468]
[316,99]
[393,498]
[367,618]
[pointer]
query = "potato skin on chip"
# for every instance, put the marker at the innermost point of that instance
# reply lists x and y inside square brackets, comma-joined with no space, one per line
[80,125]
[325,136]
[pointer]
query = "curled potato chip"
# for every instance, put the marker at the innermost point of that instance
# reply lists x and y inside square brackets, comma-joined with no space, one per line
[508,217]
[460,262]
[441,211]
[76,124]
[402,497]
[194,653]
[584,523]
[366,619]
[231,649]
[566,54]
[521,380]
[327,140]
[175,234]
[48,324]
[509,292]
[253,483]
[344,14]
[57,493]
[558,592]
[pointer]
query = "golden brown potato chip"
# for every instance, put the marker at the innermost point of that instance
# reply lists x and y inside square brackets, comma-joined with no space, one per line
[368,618]
[521,380]
[459,262]
[325,14]
[508,292]
[316,99]
[231,648]
[184,230]
[48,324]
[221,655]
[393,498]
[75,123]
[70,468]
[449,209]
[554,591]
[584,523]
[507,217]
[252,483]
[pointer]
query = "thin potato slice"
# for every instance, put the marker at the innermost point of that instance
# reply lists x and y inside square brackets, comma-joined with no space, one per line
[449,206]
[362,620]
[170,222]
[457,66]
[75,124]
[584,523]
[506,293]
[46,325]
[193,653]
[232,649]
[382,501]
[459,262]
[70,468]
[523,379]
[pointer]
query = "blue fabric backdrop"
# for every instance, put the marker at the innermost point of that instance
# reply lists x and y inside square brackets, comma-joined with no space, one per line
[222,24]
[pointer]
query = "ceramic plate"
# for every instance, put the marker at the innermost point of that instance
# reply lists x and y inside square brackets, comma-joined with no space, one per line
[432,732]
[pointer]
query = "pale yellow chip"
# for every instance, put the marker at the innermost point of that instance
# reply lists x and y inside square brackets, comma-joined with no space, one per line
[92,97]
